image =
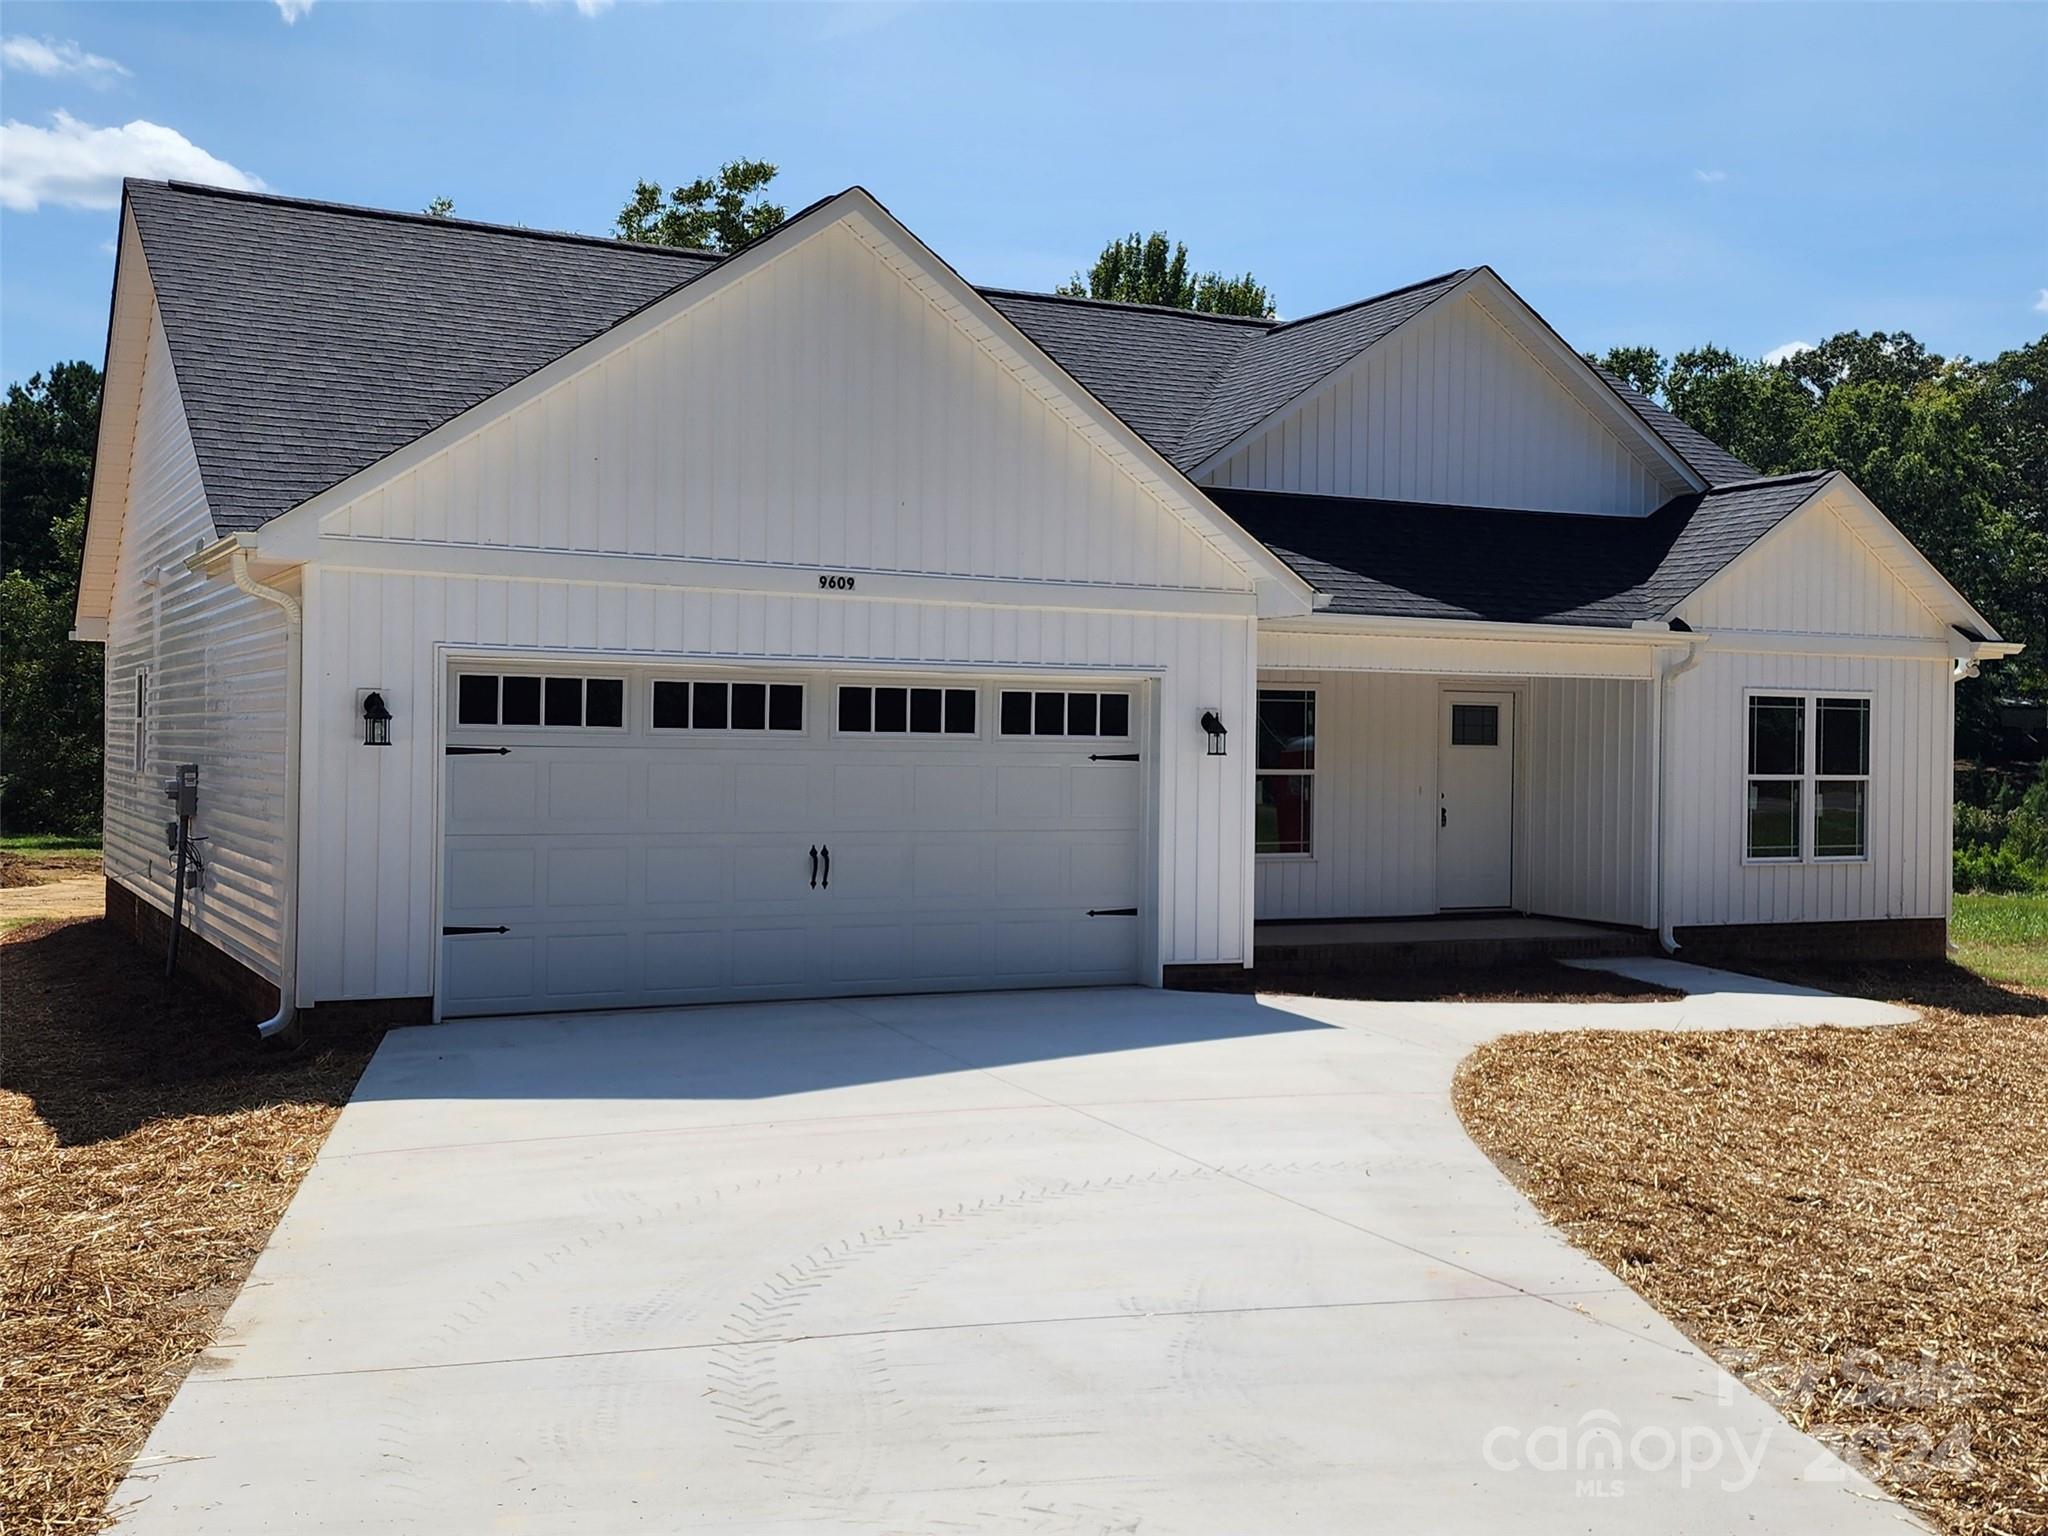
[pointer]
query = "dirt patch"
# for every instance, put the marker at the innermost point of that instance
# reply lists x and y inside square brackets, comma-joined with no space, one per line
[1854,1221]
[1542,981]
[150,1146]
[18,869]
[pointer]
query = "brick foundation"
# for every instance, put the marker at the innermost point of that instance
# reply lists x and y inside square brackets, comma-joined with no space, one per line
[212,967]
[1895,938]
[253,994]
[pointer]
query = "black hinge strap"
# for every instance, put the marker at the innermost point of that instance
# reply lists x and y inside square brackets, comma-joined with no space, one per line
[478,751]
[1112,911]
[459,928]
[1112,757]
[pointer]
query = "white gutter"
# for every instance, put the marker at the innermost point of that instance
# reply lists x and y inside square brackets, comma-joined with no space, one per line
[206,562]
[1324,622]
[1659,837]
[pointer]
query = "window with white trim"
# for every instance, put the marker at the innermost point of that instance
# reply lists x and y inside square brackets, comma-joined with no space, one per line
[865,710]
[1283,787]
[700,705]
[523,700]
[141,743]
[1807,778]
[1065,712]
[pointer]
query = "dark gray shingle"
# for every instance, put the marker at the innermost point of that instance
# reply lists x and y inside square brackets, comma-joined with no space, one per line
[1409,560]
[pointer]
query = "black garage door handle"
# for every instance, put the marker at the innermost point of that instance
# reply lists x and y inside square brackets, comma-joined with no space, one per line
[1112,911]
[501,928]
[828,867]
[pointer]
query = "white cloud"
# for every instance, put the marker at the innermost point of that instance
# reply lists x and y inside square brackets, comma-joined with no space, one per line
[583,7]
[1710,178]
[2041,304]
[48,56]
[292,10]
[75,165]
[1790,349]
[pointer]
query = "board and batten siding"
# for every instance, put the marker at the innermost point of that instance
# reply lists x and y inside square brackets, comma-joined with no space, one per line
[1585,762]
[1813,576]
[1451,408]
[370,844]
[1912,765]
[216,696]
[822,412]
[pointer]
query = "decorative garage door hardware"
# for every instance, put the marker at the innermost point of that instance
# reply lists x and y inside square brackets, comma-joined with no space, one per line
[827,852]
[1112,911]
[462,928]
[479,751]
[1112,757]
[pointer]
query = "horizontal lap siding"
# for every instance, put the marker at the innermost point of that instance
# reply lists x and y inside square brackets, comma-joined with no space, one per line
[1451,408]
[217,658]
[1587,760]
[1912,732]
[370,854]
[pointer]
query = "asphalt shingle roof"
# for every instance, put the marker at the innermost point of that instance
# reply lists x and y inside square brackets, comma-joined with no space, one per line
[311,340]
[1290,358]
[1409,560]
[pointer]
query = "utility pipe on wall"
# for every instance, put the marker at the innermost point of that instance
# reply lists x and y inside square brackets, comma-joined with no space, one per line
[1660,823]
[205,562]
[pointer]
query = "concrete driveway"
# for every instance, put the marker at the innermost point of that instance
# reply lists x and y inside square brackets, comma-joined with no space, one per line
[1062,1262]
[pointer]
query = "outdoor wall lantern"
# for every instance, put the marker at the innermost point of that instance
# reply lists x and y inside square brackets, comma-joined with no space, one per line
[1213,724]
[376,720]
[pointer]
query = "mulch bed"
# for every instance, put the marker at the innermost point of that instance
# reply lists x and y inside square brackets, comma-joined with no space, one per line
[150,1147]
[1541,981]
[1854,1221]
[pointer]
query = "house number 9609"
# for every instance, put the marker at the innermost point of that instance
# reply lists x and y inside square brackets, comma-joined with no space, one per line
[836,583]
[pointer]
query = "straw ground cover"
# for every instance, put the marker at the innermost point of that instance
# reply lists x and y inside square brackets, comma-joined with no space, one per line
[150,1147]
[1854,1221]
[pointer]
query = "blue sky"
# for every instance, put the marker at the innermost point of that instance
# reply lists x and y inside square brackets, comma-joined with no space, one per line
[1752,175]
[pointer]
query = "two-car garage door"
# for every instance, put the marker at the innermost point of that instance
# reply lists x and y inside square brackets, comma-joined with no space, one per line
[618,838]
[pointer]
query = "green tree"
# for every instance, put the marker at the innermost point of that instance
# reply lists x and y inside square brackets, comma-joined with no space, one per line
[49,685]
[1146,269]
[47,430]
[720,213]
[440,208]
[1752,409]
[1642,368]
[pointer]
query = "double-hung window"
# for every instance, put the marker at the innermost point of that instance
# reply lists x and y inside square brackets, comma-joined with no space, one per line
[1807,786]
[1283,800]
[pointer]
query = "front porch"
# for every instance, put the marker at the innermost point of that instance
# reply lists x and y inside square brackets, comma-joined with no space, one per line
[1468,801]
[1454,942]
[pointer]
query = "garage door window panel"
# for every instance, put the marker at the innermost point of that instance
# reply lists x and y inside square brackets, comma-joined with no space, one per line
[676,704]
[1065,714]
[518,700]
[889,710]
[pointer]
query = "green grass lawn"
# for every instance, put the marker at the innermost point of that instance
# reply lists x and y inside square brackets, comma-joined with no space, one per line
[2003,937]
[49,842]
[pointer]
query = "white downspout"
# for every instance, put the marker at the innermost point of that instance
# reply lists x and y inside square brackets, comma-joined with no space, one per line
[288,916]
[1659,822]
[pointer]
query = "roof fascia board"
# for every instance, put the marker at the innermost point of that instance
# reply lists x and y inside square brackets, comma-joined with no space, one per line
[1309,394]
[1902,557]
[1845,499]
[294,535]
[1577,376]
[131,310]
[1281,588]
[1476,629]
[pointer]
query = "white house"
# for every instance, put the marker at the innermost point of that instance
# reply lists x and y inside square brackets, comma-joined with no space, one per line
[809,621]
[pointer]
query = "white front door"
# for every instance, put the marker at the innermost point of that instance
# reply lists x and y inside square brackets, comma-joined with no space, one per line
[723,836]
[1476,800]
